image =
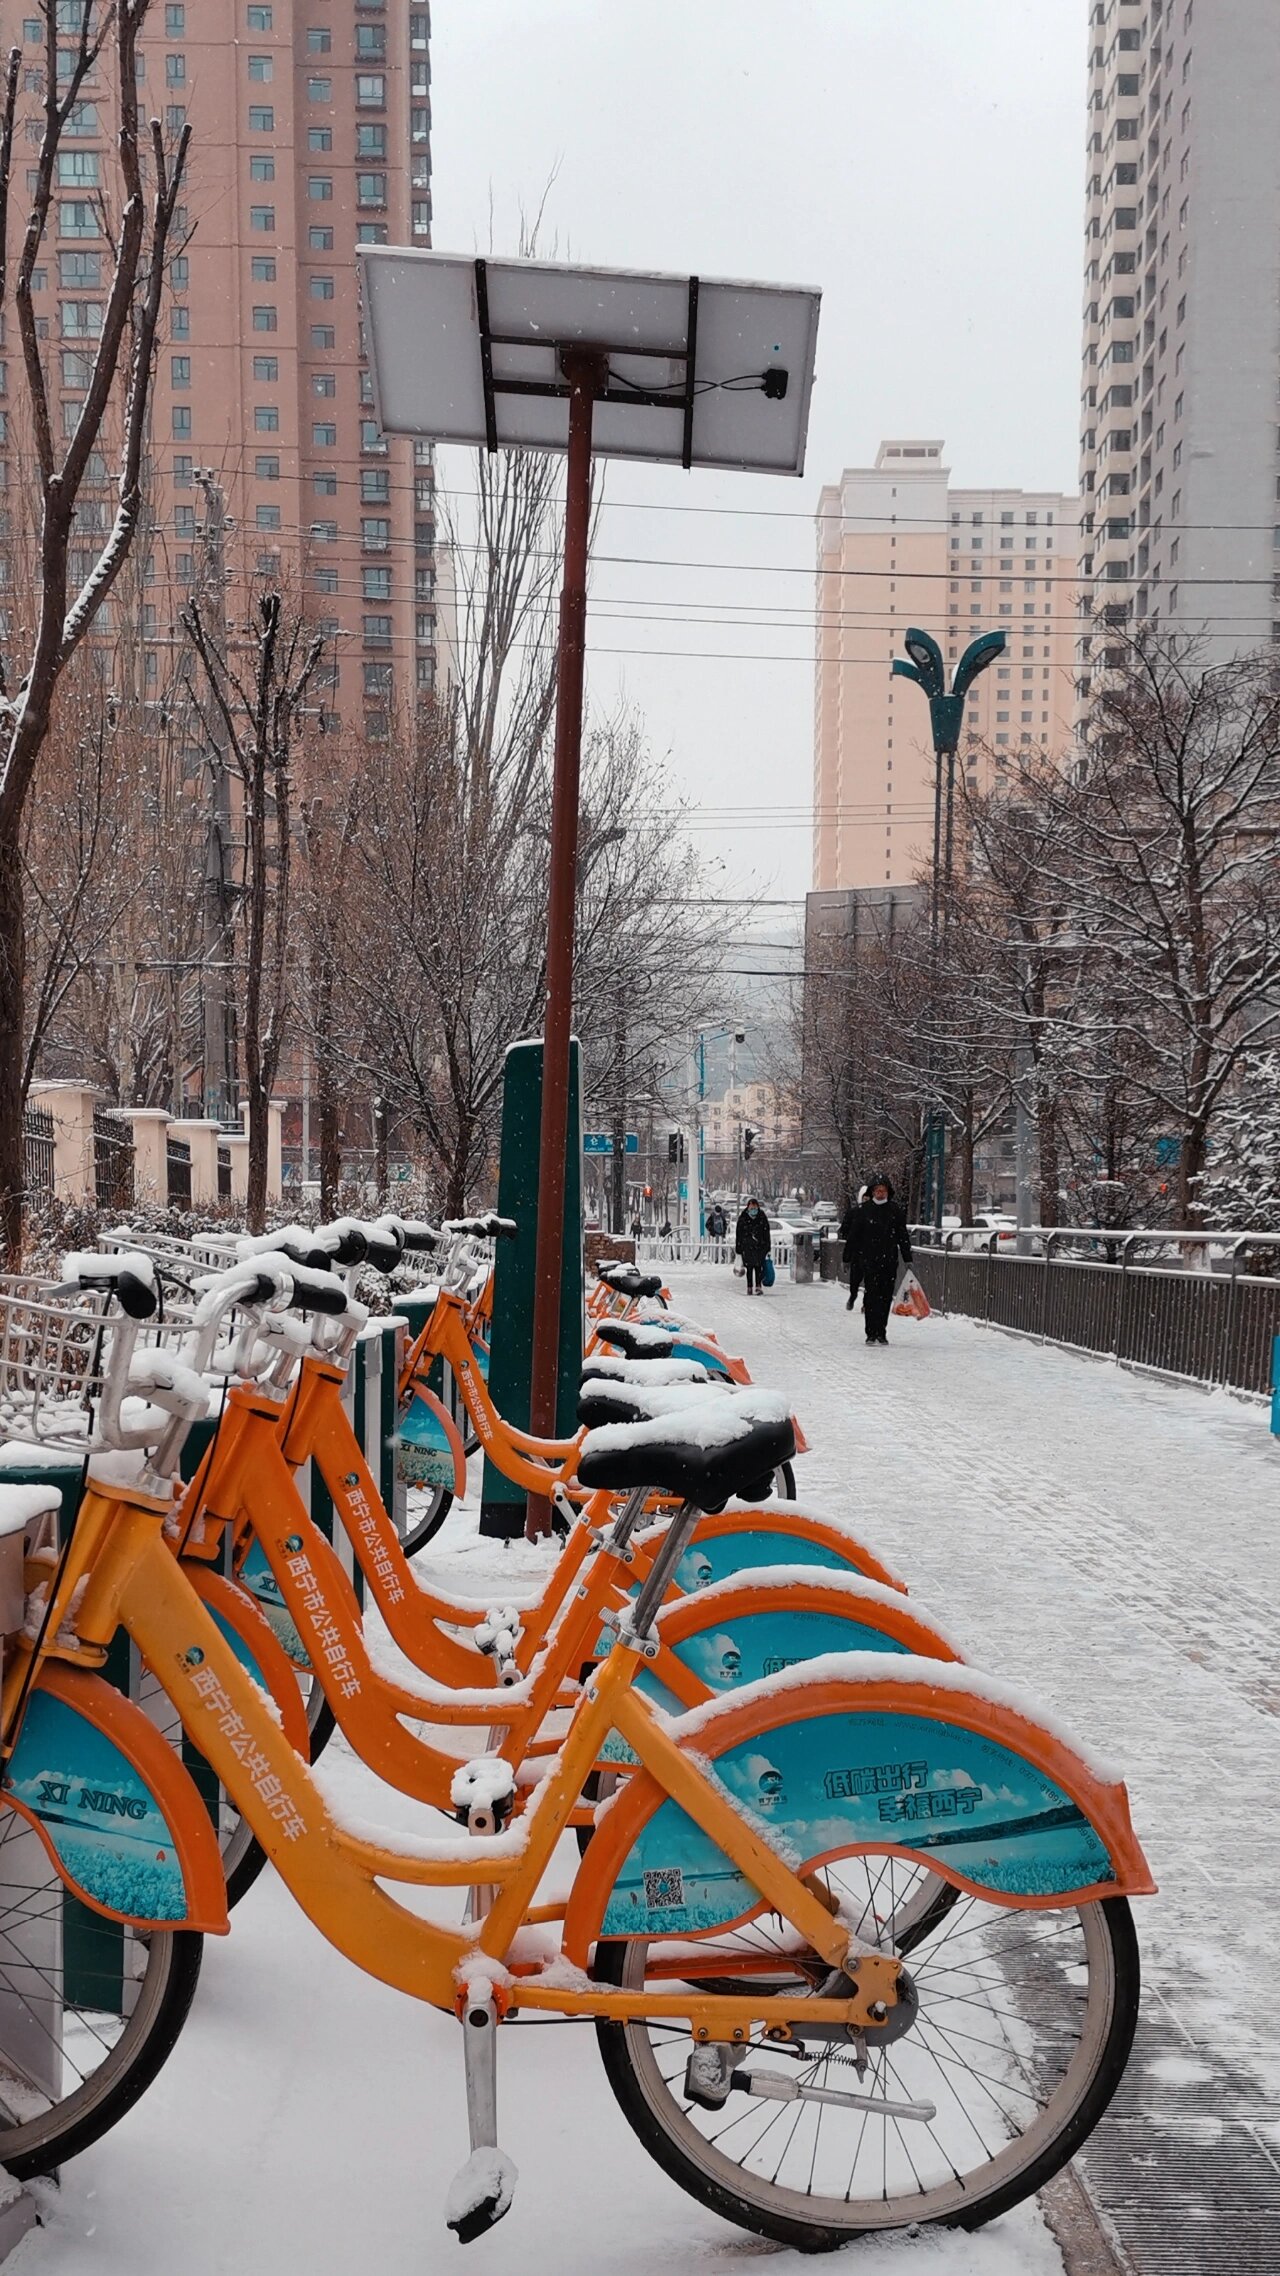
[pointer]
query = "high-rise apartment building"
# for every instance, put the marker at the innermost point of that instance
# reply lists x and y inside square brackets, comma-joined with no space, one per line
[1180,425]
[311,134]
[897,546]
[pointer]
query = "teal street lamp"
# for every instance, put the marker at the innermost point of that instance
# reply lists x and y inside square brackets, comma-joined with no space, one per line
[946,721]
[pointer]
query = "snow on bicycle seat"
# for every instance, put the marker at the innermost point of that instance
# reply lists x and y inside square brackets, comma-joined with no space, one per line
[629,1280]
[635,1341]
[602,1401]
[606,1365]
[730,1446]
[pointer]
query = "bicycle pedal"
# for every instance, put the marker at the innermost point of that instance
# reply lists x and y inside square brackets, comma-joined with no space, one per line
[480,2194]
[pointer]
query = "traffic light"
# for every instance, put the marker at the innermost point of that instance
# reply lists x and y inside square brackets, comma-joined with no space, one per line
[749,1137]
[675,1146]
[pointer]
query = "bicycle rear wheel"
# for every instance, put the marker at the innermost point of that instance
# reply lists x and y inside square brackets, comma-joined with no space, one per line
[89,2009]
[1020,2036]
[425,1520]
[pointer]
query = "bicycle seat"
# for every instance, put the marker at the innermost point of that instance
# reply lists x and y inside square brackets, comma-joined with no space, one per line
[605,1366]
[603,1401]
[724,1448]
[635,1341]
[629,1280]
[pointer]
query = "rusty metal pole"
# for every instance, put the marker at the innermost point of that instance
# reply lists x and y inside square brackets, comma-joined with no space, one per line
[585,372]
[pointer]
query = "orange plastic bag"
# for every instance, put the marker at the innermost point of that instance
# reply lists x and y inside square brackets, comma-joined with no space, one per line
[910,1300]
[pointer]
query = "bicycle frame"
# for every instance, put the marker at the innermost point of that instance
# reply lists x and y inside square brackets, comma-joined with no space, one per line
[129,1579]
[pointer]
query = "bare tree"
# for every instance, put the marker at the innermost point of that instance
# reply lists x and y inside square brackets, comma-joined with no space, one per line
[117,396]
[257,707]
[1167,866]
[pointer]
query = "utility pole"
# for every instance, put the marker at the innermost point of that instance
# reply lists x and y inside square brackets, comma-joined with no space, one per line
[219,1054]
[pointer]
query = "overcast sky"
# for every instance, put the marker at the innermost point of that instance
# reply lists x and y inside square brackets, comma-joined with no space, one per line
[923,164]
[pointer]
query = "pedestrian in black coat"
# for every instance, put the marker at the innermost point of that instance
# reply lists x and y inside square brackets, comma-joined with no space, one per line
[874,1232]
[753,1241]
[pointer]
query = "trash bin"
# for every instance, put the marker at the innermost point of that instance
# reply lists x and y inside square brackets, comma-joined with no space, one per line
[804,1255]
[831,1256]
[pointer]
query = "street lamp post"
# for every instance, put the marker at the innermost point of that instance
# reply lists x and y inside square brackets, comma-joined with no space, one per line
[736,1036]
[946,719]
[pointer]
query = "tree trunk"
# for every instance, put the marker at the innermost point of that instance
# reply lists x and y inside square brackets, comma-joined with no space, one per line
[1191,1161]
[13,1177]
[1047,1122]
[966,1161]
[381,1168]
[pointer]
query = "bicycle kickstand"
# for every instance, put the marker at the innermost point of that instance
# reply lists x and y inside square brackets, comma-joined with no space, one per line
[481,2191]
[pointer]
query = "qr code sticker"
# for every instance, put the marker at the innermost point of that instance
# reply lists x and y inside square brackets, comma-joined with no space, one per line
[664,1888]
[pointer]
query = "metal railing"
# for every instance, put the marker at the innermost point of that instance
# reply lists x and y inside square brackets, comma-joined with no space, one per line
[688,1248]
[112,1160]
[178,1173]
[1190,1304]
[37,1150]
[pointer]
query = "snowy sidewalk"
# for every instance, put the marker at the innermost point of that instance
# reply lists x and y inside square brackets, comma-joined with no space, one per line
[1105,1540]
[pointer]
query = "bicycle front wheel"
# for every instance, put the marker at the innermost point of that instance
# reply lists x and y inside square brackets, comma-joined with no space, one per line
[89,2009]
[1015,2038]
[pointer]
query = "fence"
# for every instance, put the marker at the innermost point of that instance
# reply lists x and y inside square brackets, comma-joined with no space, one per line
[1197,1306]
[112,1161]
[689,1248]
[37,1149]
[178,1173]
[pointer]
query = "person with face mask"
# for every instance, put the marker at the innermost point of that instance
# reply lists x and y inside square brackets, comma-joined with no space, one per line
[874,1232]
[752,1242]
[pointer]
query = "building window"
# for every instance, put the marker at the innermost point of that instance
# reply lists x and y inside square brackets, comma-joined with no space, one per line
[82,119]
[325,580]
[262,218]
[319,90]
[324,383]
[371,141]
[266,517]
[375,486]
[262,268]
[180,371]
[371,90]
[371,189]
[324,336]
[375,533]
[175,71]
[325,533]
[371,39]
[318,41]
[377,631]
[182,419]
[420,215]
[324,434]
[325,483]
[78,169]
[264,320]
[319,138]
[371,233]
[262,118]
[266,469]
[259,19]
[320,240]
[372,438]
[184,525]
[320,288]
[260,68]
[375,584]
[266,418]
[182,471]
[266,368]
[262,169]
[377,683]
[320,188]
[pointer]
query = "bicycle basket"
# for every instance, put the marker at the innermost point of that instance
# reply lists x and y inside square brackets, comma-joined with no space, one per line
[51,1354]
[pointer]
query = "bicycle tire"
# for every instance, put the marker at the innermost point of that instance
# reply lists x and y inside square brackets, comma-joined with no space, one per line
[427,1523]
[786,1474]
[161,1968]
[672,2138]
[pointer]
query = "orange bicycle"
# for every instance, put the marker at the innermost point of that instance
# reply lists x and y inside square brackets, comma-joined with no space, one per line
[937,2061]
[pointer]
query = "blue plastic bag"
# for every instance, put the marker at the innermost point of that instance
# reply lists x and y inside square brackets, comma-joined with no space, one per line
[767,1273]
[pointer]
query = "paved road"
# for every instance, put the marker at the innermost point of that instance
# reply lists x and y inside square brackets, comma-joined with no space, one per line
[1111,1541]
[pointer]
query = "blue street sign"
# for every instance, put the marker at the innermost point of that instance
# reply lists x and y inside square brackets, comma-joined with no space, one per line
[600,1142]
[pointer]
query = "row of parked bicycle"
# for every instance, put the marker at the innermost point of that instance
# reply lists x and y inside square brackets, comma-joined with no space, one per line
[849,1917]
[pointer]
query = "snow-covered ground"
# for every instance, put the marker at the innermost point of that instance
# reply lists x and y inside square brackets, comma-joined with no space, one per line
[1106,1540]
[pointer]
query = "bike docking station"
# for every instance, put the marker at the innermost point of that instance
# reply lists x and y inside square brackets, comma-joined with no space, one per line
[616,363]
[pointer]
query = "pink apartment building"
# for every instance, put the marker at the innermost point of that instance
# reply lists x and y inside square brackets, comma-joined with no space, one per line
[311,134]
[898,545]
